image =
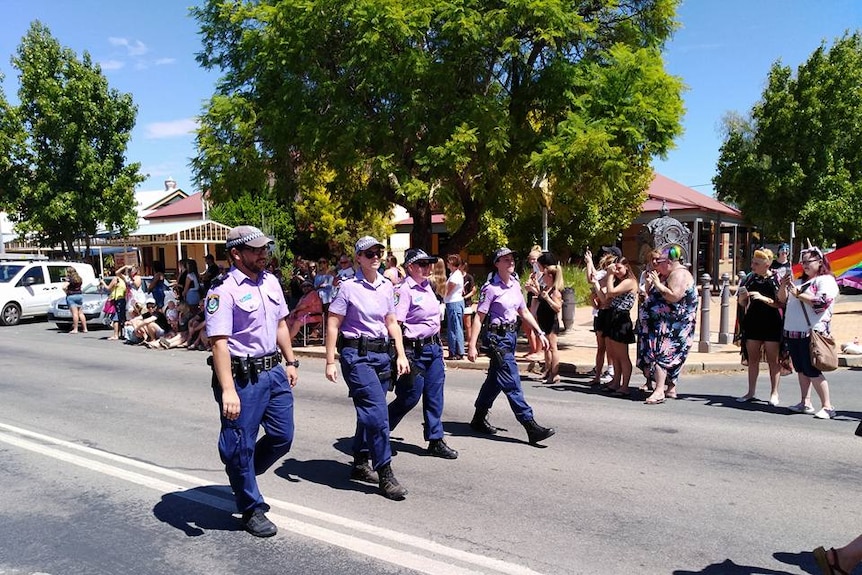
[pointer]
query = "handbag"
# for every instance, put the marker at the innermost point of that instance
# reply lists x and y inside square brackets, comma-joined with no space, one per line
[109,308]
[824,356]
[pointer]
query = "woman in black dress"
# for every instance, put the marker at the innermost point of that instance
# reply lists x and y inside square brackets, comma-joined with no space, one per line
[618,294]
[762,323]
[550,302]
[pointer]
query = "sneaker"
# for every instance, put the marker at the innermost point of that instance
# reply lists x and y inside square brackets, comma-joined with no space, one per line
[773,401]
[606,378]
[824,413]
[258,524]
[801,408]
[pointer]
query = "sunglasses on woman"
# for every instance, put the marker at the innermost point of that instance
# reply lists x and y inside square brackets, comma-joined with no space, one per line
[371,254]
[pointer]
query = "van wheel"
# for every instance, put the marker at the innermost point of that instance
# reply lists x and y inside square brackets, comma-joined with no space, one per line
[11,314]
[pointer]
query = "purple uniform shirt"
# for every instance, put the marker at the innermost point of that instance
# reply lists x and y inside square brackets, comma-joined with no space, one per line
[364,307]
[247,312]
[501,302]
[417,308]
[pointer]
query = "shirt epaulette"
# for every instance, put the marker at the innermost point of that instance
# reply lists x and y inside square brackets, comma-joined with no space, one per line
[217,281]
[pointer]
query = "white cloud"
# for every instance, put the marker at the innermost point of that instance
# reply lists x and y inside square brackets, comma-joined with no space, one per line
[111,65]
[173,129]
[134,47]
[164,61]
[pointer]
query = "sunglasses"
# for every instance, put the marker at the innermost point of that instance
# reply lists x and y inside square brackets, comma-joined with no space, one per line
[661,261]
[151,305]
[258,251]
[423,264]
[371,254]
[810,261]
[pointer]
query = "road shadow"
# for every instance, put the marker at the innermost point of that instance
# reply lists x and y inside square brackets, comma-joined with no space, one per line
[729,402]
[461,429]
[728,567]
[328,472]
[198,510]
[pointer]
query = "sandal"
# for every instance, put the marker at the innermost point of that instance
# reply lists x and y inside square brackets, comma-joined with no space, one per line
[654,401]
[828,567]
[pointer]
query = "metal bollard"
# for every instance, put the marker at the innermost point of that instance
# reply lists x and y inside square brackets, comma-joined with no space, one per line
[724,336]
[703,344]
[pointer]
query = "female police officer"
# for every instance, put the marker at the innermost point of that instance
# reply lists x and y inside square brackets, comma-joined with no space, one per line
[418,312]
[502,301]
[363,315]
[245,324]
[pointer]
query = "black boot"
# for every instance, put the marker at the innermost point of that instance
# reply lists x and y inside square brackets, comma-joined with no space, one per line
[537,433]
[389,486]
[361,470]
[438,448]
[480,422]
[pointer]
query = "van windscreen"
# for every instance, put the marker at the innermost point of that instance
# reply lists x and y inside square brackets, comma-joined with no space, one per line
[9,271]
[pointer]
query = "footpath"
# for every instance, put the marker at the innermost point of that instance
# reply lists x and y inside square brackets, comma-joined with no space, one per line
[577,344]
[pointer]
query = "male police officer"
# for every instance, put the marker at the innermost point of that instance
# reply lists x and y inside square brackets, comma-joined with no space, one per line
[246,326]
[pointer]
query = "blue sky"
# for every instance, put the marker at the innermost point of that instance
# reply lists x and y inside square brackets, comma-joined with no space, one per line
[722,51]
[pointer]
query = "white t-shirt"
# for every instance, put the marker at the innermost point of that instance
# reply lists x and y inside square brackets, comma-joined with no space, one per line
[456,279]
[825,290]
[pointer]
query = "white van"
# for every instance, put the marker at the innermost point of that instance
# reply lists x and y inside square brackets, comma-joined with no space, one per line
[27,288]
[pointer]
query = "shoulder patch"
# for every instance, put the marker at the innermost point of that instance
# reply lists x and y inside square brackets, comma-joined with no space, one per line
[482,293]
[212,303]
[397,296]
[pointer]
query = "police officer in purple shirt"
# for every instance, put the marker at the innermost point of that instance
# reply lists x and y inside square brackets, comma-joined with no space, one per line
[245,324]
[362,313]
[502,302]
[418,312]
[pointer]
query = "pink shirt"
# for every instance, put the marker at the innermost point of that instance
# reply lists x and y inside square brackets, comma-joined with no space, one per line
[247,312]
[364,306]
[501,302]
[417,308]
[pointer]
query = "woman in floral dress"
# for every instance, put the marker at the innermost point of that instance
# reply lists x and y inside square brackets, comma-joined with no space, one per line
[671,318]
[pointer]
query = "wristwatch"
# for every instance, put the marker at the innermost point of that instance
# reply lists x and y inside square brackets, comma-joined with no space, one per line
[294,363]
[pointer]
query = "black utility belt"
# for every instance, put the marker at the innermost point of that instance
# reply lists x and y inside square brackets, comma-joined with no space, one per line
[422,341]
[501,328]
[364,344]
[264,363]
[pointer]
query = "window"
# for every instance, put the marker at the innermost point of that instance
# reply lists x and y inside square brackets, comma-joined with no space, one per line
[57,273]
[33,276]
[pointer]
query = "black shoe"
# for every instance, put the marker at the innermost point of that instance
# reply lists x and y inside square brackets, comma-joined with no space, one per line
[361,470]
[257,523]
[537,433]
[389,486]
[438,448]
[480,422]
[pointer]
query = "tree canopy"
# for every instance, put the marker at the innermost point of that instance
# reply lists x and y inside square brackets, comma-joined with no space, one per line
[64,170]
[797,156]
[442,104]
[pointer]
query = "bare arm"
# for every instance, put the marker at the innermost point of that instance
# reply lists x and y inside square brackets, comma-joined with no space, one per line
[282,340]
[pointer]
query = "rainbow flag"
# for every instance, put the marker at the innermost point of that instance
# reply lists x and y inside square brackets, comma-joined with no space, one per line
[846,264]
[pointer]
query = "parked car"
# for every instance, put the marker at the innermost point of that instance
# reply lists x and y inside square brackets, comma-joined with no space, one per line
[93,308]
[27,288]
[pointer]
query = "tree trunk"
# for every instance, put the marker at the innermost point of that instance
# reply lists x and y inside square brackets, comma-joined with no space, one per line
[420,237]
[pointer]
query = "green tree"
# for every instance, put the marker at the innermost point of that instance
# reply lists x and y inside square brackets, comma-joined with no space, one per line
[261,210]
[66,173]
[798,155]
[441,104]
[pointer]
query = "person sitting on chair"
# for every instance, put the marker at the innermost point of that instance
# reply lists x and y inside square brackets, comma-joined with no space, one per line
[309,310]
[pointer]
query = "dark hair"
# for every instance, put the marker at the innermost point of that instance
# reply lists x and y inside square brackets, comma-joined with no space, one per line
[454,259]
[825,268]
[158,266]
[192,266]
[548,259]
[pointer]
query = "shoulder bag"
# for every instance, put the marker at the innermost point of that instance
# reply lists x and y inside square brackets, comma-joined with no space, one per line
[824,356]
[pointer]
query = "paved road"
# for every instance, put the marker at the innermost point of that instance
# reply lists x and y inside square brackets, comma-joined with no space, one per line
[110,466]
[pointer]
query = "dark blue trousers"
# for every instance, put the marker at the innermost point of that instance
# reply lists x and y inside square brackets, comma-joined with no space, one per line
[504,376]
[425,380]
[267,402]
[368,391]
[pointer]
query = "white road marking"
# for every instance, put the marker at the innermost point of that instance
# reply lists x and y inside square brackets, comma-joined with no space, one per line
[371,547]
